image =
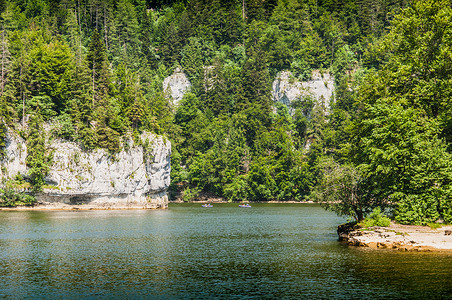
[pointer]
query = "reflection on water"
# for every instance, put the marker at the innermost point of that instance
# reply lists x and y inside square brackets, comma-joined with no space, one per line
[268,251]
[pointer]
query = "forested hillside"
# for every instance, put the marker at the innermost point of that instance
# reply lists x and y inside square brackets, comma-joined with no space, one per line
[93,71]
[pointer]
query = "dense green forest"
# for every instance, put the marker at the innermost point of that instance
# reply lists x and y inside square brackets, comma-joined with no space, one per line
[94,69]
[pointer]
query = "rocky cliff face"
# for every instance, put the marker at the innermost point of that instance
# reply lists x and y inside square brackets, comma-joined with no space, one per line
[134,178]
[176,85]
[287,89]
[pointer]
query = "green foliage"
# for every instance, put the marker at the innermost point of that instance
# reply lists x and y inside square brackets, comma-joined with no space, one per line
[398,137]
[189,194]
[376,218]
[42,103]
[342,189]
[94,71]
[301,69]
[98,64]
[88,137]
[416,209]
[64,127]
[38,158]
[406,162]
[12,193]
[10,198]
[109,139]
[434,225]
[52,68]
[195,55]
[237,190]
[2,138]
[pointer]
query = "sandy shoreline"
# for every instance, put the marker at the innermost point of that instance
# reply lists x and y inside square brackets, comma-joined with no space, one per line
[399,237]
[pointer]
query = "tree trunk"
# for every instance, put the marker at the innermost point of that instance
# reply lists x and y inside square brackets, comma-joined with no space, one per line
[94,87]
[105,27]
[359,215]
[3,60]
[23,98]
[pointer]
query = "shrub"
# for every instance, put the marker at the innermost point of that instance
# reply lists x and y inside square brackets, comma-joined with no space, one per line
[416,209]
[190,194]
[376,218]
[434,225]
[109,139]
[64,128]
[11,198]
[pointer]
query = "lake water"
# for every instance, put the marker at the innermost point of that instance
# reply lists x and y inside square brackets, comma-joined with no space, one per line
[267,251]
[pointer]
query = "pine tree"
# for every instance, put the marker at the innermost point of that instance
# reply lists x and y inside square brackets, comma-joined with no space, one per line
[37,160]
[171,46]
[216,97]
[81,106]
[257,83]
[127,31]
[5,60]
[146,32]
[52,66]
[74,34]
[136,114]
[2,137]
[20,80]
[97,63]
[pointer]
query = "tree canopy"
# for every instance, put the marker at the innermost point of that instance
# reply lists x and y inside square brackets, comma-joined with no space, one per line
[94,71]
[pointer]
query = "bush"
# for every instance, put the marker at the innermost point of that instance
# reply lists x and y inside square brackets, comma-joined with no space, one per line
[434,225]
[417,209]
[190,194]
[11,198]
[109,139]
[64,128]
[237,190]
[376,218]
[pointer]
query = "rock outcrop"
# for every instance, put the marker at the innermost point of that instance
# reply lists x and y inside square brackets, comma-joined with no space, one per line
[133,178]
[176,85]
[397,237]
[287,89]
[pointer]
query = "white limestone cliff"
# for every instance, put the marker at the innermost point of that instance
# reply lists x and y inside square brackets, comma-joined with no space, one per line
[133,178]
[176,85]
[286,89]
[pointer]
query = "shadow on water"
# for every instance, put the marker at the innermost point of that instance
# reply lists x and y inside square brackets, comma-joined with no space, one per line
[267,251]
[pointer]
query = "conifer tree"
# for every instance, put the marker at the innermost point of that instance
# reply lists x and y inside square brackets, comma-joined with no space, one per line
[18,85]
[2,136]
[257,80]
[5,60]
[37,160]
[97,63]
[74,34]
[146,32]
[81,105]
[127,31]
[52,66]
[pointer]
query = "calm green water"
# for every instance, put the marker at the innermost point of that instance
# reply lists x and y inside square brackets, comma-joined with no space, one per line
[267,251]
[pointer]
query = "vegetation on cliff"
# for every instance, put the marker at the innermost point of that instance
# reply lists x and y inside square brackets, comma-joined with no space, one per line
[94,71]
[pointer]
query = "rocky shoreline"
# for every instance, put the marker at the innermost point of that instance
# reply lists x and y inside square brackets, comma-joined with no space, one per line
[397,237]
